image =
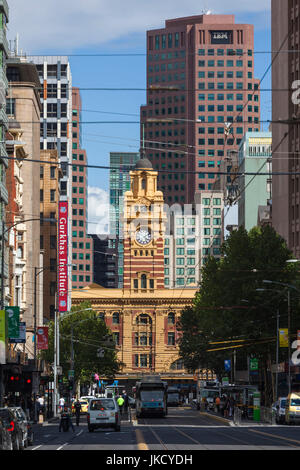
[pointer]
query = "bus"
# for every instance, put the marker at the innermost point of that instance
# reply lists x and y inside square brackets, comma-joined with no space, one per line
[151,397]
[173,396]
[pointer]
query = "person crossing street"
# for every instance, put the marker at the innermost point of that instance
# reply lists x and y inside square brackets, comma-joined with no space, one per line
[77,407]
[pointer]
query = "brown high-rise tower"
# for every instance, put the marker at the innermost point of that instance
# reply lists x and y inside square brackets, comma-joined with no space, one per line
[203,67]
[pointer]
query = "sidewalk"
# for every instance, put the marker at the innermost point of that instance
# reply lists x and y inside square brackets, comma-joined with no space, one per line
[230,421]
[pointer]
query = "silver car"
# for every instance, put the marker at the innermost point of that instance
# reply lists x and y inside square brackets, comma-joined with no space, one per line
[103,413]
[24,424]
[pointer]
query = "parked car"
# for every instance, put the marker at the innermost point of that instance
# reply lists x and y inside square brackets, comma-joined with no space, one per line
[12,425]
[5,437]
[280,410]
[25,425]
[103,413]
[292,408]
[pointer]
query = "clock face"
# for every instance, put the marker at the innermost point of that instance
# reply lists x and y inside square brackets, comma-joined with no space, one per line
[143,237]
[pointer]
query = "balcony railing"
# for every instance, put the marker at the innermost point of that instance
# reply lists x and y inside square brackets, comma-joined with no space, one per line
[4,41]
[3,154]
[4,7]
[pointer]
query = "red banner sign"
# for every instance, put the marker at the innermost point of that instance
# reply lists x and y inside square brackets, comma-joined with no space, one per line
[63,257]
[42,337]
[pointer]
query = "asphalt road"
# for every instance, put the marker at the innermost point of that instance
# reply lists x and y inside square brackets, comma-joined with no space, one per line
[183,429]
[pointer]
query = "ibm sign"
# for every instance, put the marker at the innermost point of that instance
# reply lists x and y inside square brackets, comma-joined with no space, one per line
[221,37]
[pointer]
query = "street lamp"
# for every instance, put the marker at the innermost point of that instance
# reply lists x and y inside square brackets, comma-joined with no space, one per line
[288,286]
[277,340]
[56,352]
[4,231]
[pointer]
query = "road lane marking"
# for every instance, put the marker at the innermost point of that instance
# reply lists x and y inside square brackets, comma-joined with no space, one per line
[274,435]
[36,447]
[140,440]
[218,418]
[59,448]
[208,426]
[79,433]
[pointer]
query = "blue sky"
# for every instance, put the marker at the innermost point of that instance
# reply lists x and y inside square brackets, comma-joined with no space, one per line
[103,27]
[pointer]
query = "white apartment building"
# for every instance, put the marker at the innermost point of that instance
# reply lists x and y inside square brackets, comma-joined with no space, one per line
[194,233]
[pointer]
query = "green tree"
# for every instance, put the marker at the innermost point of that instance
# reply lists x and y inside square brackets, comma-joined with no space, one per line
[229,308]
[89,334]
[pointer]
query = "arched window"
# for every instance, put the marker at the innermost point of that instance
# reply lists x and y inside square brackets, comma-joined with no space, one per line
[143,281]
[116,318]
[143,183]
[171,318]
[143,319]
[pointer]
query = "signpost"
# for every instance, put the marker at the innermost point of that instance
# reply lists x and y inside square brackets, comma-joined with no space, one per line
[63,257]
[13,321]
[21,337]
[283,338]
[42,337]
[256,406]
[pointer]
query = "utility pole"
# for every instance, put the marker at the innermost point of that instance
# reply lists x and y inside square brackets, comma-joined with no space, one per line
[289,339]
[72,361]
[277,357]
[2,308]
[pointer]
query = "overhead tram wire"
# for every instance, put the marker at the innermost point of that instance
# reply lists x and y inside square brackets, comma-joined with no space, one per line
[104,167]
[261,80]
[143,54]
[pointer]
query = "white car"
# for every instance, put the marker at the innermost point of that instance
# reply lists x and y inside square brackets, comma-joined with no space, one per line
[103,413]
[280,410]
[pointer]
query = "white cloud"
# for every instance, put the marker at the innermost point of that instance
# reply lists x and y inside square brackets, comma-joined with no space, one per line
[65,25]
[98,211]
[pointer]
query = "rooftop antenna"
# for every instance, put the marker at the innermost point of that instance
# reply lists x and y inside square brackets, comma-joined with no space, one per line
[206,11]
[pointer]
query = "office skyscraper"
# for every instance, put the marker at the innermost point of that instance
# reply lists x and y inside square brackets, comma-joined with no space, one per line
[82,244]
[201,71]
[119,182]
[285,136]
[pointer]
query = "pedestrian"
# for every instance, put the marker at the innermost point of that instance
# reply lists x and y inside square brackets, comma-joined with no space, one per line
[204,403]
[66,413]
[125,397]
[231,406]
[42,405]
[120,401]
[38,405]
[77,407]
[218,401]
[61,404]
[222,404]
[226,408]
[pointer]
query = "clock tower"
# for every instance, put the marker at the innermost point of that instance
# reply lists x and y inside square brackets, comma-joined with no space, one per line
[144,227]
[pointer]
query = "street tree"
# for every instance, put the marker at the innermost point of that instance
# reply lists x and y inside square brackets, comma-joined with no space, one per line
[90,334]
[229,311]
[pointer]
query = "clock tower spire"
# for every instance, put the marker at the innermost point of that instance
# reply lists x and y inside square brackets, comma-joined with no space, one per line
[144,228]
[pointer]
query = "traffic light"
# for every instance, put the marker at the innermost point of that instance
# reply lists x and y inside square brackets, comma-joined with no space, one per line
[61,384]
[71,384]
[13,383]
[27,382]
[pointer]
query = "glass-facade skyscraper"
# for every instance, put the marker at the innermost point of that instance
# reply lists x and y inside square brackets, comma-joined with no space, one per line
[119,183]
